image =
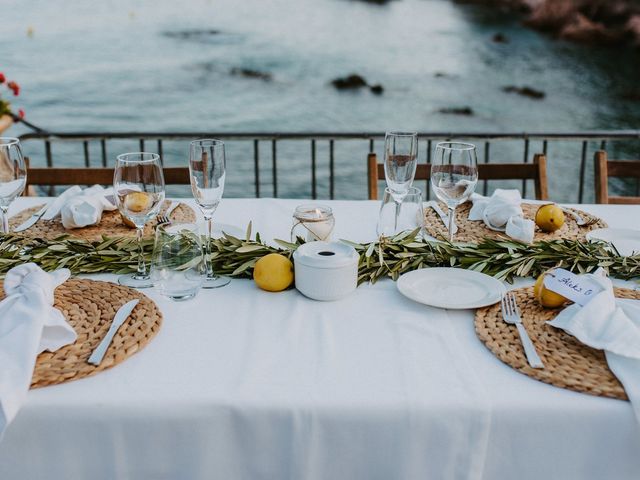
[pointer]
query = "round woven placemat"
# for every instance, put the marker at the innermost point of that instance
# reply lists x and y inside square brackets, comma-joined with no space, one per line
[110,225]
[476,231]
[567,362]
[89,306]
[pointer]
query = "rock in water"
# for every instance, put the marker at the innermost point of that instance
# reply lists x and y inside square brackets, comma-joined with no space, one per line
[457,111]
[583,30]
[191,34]
[377,89]
[249,73]
[350,82]
[525,91]
[500,38]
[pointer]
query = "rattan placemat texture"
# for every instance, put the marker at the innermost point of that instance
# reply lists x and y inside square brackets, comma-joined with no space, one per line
[567,362]
[89,306]
[110,225]
[476,231]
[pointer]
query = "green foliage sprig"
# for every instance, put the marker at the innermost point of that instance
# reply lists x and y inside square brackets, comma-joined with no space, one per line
[387,257]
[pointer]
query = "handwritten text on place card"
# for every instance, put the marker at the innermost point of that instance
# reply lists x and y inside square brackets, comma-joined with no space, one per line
[577,288]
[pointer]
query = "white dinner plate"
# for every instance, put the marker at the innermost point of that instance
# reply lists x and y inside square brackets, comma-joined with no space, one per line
[452,288]
[625,240]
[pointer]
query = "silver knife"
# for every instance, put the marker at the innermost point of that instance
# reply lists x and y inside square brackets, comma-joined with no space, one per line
[29,222]
[443,216]
[121,315]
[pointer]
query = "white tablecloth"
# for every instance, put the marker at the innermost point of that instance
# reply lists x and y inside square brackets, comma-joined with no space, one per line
[246,384]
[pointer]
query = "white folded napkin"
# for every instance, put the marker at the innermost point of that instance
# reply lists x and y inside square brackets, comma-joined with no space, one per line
[54,208]
[29,325]
[502,211]
[86,208]
[610,325]
[79,208]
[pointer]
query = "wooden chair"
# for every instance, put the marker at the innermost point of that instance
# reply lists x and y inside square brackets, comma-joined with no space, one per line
[55,176]
[604,169]
[536,171]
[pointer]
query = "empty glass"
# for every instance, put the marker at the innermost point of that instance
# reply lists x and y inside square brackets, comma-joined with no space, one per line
[207,168]
[392,221]
[13,176]
[454,175]
[177,261]
[400,160]
[138,185]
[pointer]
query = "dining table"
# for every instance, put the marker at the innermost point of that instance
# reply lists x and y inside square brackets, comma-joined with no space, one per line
[241,383]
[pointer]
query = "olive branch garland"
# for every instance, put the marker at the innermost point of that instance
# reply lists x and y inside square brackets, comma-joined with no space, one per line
[386,257]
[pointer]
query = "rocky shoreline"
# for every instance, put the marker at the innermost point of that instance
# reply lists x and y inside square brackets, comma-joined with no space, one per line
[598,22]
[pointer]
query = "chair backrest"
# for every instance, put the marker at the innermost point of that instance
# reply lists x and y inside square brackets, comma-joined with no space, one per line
[54,176]
[604,169]
[536,171]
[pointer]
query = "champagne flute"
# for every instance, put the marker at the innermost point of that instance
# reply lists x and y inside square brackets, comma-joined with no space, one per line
[13,176]
[454,175]
[207,169]
[138,185]
[400,161]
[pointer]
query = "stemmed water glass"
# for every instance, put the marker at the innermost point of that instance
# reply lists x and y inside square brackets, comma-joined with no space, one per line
[13,176]
[207,169]
[138,185]
[454,175]
[400,160]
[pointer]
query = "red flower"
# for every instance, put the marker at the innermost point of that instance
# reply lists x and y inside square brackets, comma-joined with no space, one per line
[21,113]
[13,86]
[2,78]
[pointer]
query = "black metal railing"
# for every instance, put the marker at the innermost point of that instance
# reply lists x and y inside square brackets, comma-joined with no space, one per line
[567,154]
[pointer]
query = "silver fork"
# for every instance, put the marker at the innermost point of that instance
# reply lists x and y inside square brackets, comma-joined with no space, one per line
[166,216]
[511,315]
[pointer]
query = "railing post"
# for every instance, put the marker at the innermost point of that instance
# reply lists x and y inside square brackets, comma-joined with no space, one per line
[331,171]
[429,143]
[160,151]
[256,166]
[274,167]
[47,153]
[85,146]
[485,186]
[314,192]
[103,148]
[583,165]
[526,160]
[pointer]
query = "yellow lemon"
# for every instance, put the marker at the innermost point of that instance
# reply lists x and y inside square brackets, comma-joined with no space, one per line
[549,217]
[137,201]
[546,297]
[273,272]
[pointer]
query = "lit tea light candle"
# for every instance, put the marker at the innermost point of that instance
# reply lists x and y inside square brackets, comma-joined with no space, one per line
[312,223]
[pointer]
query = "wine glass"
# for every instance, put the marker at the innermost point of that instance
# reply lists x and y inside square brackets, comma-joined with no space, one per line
[138,186]
[400,160]
[207,169]
[13,176]
[454,175]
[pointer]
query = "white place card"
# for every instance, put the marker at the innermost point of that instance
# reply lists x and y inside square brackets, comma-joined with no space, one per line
[577,288]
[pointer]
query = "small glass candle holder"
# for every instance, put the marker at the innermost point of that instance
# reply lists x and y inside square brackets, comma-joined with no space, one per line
[312,223]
